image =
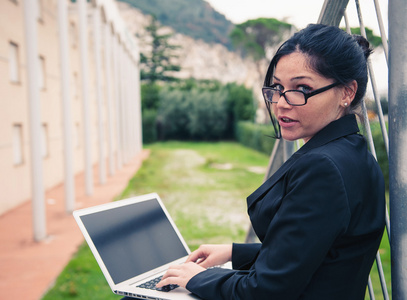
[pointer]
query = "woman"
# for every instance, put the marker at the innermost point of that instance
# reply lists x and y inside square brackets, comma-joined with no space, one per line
[320,217]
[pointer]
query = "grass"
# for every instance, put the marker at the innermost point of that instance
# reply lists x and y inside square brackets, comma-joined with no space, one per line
[81,279]
[204,187]
[201,186]
[384,252]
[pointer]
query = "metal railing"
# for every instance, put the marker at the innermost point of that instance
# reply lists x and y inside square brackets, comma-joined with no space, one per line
[332,13]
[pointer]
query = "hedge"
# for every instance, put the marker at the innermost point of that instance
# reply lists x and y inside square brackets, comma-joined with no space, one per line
[255,136]
[258,137]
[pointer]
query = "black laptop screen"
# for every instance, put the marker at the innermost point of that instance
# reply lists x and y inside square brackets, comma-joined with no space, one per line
[133,239]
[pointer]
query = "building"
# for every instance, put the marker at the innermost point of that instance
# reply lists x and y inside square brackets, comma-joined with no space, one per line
[70,96]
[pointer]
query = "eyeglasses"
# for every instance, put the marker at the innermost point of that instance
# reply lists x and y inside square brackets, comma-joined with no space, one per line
[293,97]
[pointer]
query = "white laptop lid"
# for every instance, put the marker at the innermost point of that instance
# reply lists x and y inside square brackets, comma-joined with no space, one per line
[132,239]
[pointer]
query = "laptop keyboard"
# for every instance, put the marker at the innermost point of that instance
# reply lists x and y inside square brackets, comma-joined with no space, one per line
[151,284]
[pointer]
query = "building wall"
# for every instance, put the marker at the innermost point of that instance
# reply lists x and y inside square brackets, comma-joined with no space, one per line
[15,181]
[14,178]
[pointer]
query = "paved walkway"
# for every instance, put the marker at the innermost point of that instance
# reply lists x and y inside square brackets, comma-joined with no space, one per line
[27,268]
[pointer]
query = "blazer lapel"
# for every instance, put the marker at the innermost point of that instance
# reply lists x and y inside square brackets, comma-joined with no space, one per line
[269,183]
[336,129]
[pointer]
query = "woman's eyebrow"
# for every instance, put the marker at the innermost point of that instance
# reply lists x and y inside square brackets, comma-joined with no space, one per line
[295,78]
[301,78]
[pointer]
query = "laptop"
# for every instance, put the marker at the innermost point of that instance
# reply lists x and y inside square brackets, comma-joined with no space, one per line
[134,241]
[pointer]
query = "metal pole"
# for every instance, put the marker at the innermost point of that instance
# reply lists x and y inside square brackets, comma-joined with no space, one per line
[34,104]
[66,106]
[373,81]
[397,146]
[332,12]
[99,102]
[87,138]
[382,30]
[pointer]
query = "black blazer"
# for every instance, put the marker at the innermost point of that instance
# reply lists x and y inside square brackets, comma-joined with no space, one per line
[320,219]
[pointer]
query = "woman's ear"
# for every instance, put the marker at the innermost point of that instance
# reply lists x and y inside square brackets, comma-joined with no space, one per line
[349,93]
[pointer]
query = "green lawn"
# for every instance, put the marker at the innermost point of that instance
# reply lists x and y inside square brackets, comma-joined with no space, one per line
[204,187]
[386,264]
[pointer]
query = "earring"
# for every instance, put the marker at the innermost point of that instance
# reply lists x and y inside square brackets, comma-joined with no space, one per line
[345,104]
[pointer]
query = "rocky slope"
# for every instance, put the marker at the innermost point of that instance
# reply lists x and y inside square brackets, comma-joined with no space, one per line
[199,59]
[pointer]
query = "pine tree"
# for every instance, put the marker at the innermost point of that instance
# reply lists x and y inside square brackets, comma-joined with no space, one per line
[158,64]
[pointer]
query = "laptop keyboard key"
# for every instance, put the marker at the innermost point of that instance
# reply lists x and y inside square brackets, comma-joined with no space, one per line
[151,284]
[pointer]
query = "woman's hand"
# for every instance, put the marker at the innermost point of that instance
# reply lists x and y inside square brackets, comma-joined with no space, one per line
[198,261]
[180,274]
[211,255]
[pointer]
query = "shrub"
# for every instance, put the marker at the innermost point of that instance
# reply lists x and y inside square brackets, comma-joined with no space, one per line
[194,114]
[198,110]
[149,126]
[208,117]
[172,116]
[380,149]
[255,136]
[150,96]
[241,102]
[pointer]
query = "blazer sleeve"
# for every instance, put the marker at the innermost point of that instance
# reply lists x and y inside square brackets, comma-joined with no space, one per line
[244,255]
[313,213]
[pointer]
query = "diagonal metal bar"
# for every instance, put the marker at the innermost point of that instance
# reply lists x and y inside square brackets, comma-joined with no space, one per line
[332,12]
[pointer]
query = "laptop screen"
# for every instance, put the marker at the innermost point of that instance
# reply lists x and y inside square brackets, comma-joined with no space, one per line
[133,239]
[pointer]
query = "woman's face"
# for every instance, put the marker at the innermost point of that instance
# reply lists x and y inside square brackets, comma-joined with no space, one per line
[303,122]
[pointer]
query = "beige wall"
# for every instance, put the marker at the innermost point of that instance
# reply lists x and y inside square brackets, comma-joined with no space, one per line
[15,182]
[14,179]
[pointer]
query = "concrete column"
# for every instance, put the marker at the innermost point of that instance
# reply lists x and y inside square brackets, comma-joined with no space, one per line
[83,43]
[109,99]
[117,79]
[34,111]
[99,98]
[66,106]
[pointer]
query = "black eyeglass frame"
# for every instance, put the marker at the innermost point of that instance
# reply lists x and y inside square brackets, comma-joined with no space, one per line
[306,95]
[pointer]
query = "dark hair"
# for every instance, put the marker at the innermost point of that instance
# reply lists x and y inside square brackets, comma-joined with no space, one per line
[332,53]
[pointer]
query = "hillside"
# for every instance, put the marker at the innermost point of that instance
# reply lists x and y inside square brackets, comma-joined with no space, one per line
[194,18]
[199,59]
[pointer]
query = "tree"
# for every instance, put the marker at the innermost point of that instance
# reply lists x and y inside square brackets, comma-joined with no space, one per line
[374,40]
[157,65]
[256,38]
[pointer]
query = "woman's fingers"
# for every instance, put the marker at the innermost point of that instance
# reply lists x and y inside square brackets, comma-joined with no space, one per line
[211,255]
[195,256]
[180,274]
[170,277]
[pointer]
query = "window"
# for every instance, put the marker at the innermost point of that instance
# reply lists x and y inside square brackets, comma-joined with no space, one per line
[41,77]
[18,157]
[14,65]
[44,140]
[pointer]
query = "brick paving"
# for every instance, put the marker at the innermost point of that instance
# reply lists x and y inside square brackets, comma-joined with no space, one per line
[28,268]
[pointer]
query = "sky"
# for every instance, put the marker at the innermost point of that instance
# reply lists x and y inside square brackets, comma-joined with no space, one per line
[302,12]
[297,12]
